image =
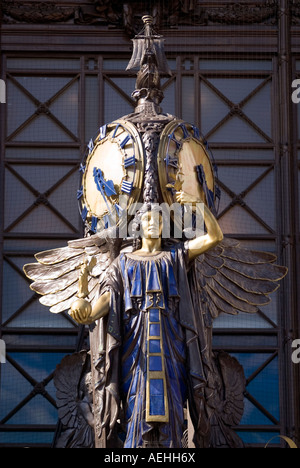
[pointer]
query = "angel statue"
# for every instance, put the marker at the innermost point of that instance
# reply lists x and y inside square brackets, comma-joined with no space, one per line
[153,335]
[152,310]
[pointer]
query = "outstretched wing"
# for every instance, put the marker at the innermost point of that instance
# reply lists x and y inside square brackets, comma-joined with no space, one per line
[56,273]
[229,279]
[232,279]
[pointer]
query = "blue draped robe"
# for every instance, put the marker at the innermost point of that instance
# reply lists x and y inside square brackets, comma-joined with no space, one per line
[154,344]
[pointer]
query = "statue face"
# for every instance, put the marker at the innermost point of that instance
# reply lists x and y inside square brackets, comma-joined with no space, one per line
[151,225]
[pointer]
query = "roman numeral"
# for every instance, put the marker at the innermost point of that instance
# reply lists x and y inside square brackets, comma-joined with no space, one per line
[126,186]
[130,161]
[102,132]
[125,141]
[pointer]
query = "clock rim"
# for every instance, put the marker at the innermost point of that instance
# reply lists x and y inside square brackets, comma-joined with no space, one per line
[162,172]
[134,196]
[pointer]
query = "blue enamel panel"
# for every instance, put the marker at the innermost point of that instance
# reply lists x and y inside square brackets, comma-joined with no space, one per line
[157,404]
[154,329]
[154,315]
[154,346]
[155,363]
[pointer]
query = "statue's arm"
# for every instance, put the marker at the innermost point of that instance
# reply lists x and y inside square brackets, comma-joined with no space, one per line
[86,317]
[214,235]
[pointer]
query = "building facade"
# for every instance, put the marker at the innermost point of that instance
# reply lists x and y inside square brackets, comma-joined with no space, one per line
[234,68]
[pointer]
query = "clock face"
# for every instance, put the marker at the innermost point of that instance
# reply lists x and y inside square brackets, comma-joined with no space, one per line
[184,164]
[112,175]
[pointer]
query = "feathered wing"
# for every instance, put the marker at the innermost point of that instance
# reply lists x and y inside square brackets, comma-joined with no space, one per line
[56,276]
[229,279]
[233,279]
[74,401]
[225,400]
[56,273]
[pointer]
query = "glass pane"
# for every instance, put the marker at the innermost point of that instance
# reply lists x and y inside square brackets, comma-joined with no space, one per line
[43,153]
[172,63]
[17,198]
[37,315]
[32,245]
[168,103]
[13,389]
[259,109]
[262,200]
[242,154]
[20,198]
[37,411]
[251,341]
[65,108]
[43,129]
[213,108]
[238,221]
[43,63]
[16,293]
[235,89]
[35,174]
[115,64]
[253,416]
[125,83]
[265,386]
[263,245]
[258,437]
[42,220]
[121,64]
[188,99]
[19,107]
[26,438]
[235,64]
[188,64]
[64,199]
[225,201]
[43,88]
[91,107]
[53,341]
[236,130]
[242,320]
[39,366]
[238,178]
[114,105]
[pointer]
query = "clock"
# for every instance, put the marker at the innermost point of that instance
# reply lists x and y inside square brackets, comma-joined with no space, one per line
[112,175]
[185,163]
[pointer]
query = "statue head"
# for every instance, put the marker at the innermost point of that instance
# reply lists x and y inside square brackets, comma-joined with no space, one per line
[147,223]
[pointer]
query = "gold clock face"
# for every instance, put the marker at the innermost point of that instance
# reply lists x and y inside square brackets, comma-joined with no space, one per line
[112,175]
[184,164]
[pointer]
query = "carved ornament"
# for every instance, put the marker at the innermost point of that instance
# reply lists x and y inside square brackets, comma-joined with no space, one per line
[127,15]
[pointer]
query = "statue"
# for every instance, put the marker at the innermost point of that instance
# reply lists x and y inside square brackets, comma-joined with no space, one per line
[149,299]
[153,329]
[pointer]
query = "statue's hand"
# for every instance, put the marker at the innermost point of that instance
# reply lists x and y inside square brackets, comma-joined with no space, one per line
[183,197]
[81,311]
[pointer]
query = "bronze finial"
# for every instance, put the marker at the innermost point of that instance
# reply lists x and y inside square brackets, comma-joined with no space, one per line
[145,42]
[149,58]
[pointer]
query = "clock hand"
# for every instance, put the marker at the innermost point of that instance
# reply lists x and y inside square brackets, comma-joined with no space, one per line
[102,186]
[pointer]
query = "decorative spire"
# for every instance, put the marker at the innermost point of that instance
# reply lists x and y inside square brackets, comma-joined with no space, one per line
[149,57]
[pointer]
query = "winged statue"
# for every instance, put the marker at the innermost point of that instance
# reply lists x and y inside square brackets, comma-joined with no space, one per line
[150,300]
